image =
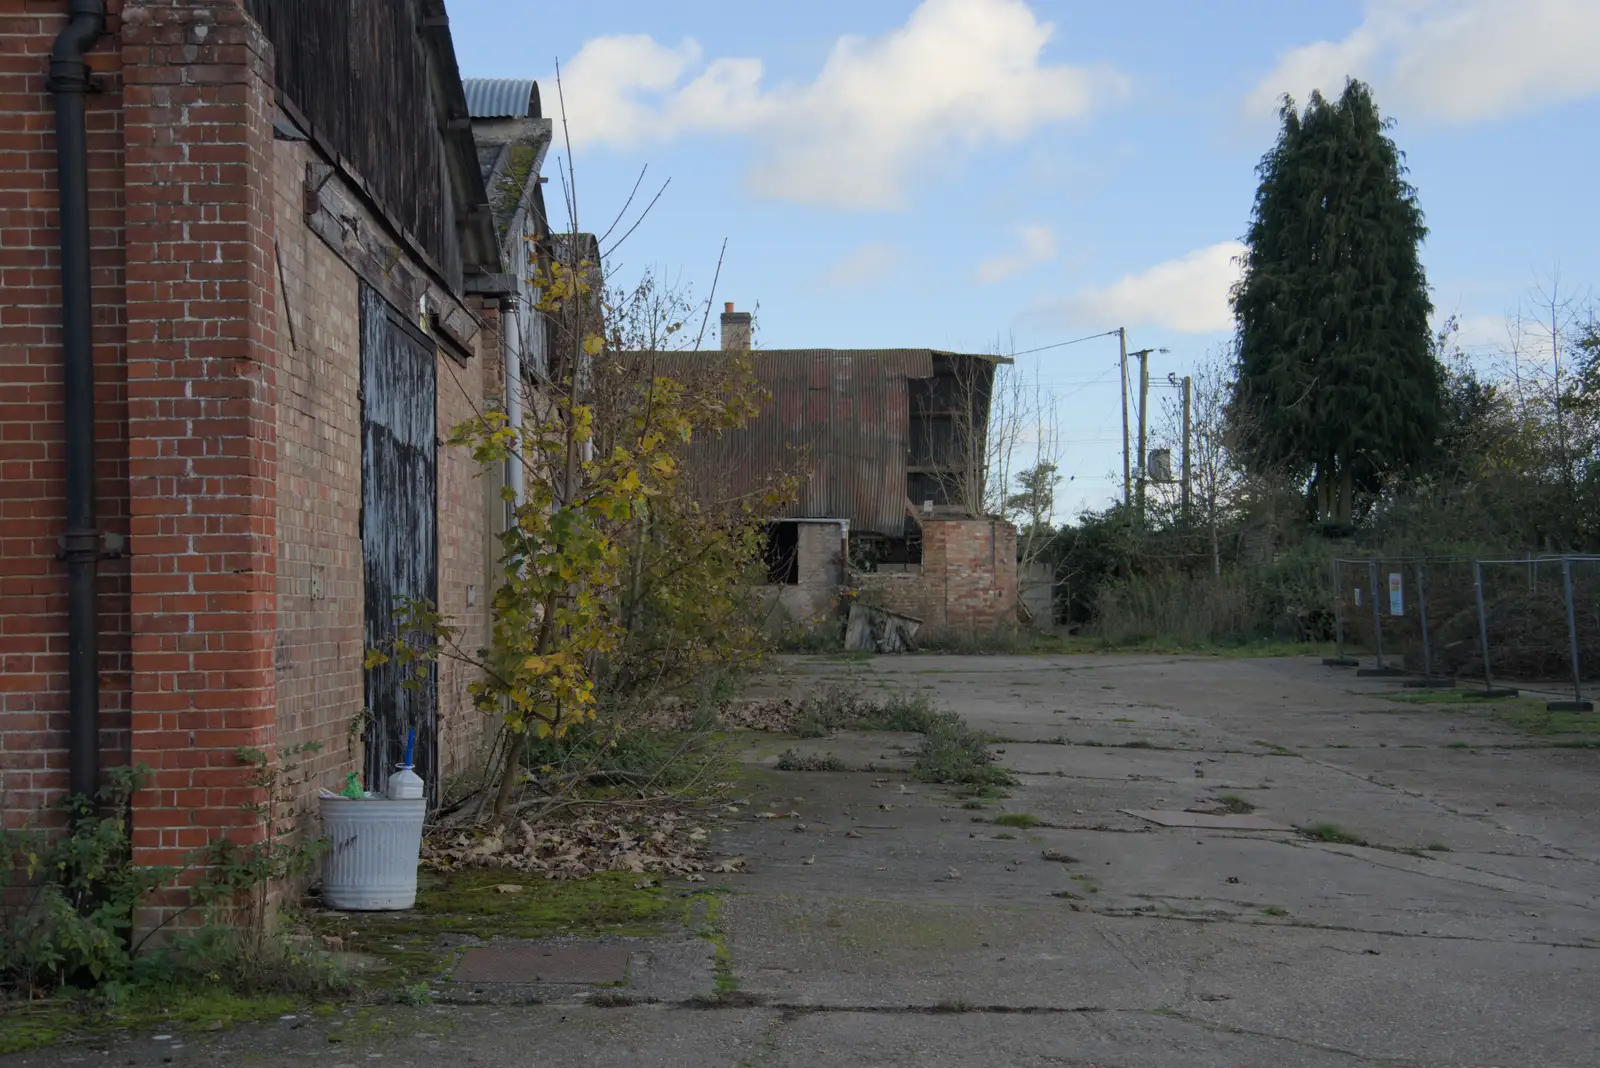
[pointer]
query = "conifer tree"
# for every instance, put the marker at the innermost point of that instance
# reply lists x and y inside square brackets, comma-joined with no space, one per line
[1337,381]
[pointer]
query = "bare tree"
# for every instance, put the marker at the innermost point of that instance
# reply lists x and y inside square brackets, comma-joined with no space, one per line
[1216,478]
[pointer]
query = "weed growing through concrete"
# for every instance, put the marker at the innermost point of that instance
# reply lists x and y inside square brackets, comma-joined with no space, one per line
[955,754]
[793,760]
[1235,805]
[1275,910]
[836,708]
[1331,833]
[1019,820]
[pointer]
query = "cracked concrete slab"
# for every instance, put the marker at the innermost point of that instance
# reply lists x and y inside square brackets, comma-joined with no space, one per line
[891,922]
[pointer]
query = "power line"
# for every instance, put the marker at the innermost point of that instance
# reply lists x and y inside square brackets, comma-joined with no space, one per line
[1064,344]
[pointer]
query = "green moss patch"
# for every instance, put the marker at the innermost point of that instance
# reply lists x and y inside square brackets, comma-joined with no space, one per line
[1526,714]
[492,903]
[145,1009]
[1021,820]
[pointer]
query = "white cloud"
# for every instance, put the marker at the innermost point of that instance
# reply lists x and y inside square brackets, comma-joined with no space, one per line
[862,265]
[1038,245]
[958,75]
[1188,294]
[1484,335]
[1452,60]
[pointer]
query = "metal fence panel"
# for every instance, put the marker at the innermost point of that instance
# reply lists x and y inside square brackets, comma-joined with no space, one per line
[1533,621]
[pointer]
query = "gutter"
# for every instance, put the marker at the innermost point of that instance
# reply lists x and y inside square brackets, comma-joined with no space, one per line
[69,84]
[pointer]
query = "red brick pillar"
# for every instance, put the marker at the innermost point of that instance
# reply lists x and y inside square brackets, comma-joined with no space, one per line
[201,414]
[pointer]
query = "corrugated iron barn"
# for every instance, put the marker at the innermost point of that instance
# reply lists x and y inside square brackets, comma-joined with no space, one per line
[888,448]
[880,437]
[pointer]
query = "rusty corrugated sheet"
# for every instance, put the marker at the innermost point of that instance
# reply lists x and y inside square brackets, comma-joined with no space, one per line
[838,418]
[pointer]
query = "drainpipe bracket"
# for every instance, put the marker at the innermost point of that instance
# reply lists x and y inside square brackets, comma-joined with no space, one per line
[91,545]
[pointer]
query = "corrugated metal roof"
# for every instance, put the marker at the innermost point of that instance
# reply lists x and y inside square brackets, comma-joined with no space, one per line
[840,419]
[502,98]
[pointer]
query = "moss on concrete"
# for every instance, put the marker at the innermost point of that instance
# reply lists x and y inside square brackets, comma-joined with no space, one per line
[416,944]
[25,1026]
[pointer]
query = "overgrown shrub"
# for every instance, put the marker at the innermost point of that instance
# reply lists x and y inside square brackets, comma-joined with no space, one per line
[1289,599]
[67,899]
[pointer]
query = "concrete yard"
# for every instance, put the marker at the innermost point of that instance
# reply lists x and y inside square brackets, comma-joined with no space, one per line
[900,928]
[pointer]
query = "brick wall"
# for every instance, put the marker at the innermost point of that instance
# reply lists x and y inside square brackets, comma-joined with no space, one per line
[462,547]
[33,584]
[202,421]
[318,644]
[227,353]
[980,573]
[968,579]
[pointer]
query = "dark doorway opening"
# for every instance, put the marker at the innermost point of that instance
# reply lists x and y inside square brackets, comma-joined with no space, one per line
[399,531]
[783,554]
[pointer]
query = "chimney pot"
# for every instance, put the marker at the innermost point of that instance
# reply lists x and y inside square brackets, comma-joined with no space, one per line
[735,330]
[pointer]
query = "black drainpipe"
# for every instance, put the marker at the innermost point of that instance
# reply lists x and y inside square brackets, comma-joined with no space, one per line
[69,82]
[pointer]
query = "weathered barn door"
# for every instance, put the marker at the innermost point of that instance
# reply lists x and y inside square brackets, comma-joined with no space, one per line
[399,516]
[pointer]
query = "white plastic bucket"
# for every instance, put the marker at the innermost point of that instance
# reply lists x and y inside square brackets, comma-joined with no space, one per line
[373,845]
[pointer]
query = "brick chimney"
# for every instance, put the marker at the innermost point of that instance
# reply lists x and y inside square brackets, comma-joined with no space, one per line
[735,329]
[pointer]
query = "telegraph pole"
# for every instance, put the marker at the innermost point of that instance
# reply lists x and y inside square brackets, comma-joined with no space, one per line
[1127,494]
[1144,400]
[1188,391]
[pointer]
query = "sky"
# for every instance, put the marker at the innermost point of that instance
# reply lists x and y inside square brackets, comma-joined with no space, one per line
[1003,175]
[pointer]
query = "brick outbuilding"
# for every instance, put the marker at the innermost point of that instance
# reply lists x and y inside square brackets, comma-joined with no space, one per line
[295,288]
[887,448]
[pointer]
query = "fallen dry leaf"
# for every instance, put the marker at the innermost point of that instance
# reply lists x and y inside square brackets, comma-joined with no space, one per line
[508,888]
[654,842]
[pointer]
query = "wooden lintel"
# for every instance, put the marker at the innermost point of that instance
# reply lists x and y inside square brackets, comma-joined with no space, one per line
[336,215]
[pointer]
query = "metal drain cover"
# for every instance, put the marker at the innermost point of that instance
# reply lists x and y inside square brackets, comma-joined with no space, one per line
[542,964]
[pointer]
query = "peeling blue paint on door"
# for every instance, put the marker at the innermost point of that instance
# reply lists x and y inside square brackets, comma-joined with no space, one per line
[399,521]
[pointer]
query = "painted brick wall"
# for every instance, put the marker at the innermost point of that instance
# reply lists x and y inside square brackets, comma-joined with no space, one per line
[318,644]
[33,621]
[820,571]
[202,423]
[968,580]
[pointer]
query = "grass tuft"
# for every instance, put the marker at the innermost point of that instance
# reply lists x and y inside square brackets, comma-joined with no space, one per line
[1331,833]
[1019,820]
[793,760]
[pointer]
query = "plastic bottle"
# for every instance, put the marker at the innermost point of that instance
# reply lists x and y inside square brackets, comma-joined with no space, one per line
[405,784]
